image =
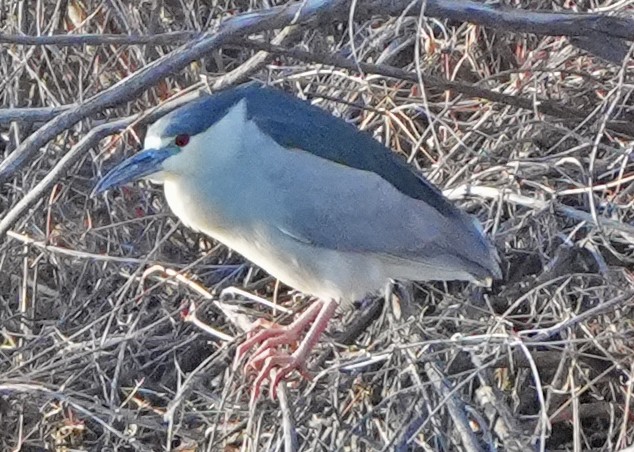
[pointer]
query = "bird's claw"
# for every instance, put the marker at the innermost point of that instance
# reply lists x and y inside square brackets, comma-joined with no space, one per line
[275,367]
[267,360]
[273,363]
[267,338]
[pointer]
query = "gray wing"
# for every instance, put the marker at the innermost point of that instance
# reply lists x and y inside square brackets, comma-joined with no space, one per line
[363,217]
[362,212]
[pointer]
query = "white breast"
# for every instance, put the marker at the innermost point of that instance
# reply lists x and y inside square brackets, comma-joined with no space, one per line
[326,274]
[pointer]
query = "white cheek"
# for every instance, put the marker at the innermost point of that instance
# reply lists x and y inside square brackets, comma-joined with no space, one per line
[213,150]
[155,142]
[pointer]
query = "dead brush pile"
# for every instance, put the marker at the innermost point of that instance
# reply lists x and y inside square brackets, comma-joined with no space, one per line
[110,310]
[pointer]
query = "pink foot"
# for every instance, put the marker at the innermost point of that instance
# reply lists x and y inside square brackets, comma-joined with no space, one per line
[273,364]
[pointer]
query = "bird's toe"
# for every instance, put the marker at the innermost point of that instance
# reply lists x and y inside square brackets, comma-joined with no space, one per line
[275,368]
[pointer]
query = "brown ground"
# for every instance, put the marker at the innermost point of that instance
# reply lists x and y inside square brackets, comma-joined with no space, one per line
[99,347]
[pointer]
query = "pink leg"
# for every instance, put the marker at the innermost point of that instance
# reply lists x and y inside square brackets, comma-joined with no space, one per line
[276,365]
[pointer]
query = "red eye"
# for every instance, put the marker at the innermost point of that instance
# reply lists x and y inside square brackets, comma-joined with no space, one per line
[181,140]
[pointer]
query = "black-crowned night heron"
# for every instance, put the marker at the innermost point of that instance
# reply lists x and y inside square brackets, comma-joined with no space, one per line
[315,202]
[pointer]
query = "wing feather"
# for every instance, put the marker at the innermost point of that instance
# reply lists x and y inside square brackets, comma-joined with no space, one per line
[358,211]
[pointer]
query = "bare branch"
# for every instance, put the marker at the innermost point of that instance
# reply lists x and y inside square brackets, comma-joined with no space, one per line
[600,29]
[173,38]
[545,106]
[35,114]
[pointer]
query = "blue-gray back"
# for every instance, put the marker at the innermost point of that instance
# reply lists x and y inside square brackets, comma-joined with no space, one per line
[294,123]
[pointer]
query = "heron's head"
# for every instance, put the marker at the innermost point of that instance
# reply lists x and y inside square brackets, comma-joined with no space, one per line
[184,142]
